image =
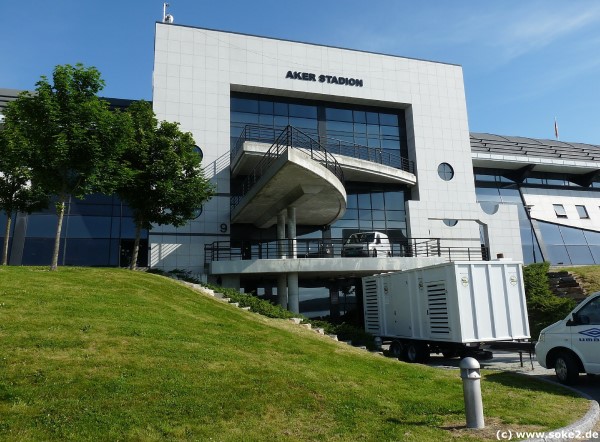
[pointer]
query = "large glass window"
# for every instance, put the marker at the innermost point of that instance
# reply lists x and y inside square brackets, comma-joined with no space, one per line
[343,129]
[371,209]
[96,231]
[569,245]
[562,244]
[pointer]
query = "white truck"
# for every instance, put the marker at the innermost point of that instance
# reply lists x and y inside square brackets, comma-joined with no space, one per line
[367,244]
[451,308]
[572,346]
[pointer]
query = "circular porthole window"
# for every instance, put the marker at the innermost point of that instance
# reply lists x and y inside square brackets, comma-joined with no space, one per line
[445,171]
[198,212]
[199,152]
[451,222]
[489,207]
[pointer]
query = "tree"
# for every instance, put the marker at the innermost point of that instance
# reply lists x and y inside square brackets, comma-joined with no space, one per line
[543,306]
[74,138]
[17,193]
[165,183]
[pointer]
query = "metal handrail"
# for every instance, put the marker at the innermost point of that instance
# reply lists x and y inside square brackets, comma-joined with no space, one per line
[290,137]
[331,248]
[371,154]
[267,134]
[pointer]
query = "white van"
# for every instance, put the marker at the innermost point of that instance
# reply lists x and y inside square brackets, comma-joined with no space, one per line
[367,244]
[572,346]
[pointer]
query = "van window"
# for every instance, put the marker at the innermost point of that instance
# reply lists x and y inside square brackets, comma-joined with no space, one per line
[367,237]
[592,311]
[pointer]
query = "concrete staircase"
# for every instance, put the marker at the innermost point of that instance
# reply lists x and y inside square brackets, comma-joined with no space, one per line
[566,285]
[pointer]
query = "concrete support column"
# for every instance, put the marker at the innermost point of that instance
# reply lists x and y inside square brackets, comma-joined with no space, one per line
[281,253]
[293,293]
[282,295]
[231,281]
[334,302]
[291,223]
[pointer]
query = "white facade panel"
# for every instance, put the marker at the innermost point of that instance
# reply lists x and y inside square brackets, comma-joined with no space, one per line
[196,69]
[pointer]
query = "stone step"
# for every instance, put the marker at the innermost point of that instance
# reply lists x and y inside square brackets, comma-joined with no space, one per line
[565,284]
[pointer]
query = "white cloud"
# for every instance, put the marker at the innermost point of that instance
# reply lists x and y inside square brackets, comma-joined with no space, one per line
[493,33]
[539,29]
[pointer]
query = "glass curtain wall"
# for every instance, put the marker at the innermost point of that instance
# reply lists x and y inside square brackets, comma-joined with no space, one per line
[336,126]
[372,209]
[562,245]
[96,231]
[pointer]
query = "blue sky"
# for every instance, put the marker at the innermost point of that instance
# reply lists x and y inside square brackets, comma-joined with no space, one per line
[524,62]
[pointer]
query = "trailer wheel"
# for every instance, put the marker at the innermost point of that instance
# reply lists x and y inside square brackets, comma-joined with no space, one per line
[416,352]
[566,369]
[395,350]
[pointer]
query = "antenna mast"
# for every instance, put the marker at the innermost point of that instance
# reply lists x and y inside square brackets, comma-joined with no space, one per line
[167,18]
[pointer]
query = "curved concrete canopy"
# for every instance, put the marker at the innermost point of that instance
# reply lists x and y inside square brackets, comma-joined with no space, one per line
[354,169]
[293,180]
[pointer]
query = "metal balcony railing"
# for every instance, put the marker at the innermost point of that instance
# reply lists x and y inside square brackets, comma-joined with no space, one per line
[267,134]
[332,248]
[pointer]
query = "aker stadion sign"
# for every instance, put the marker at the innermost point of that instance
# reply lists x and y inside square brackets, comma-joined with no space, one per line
[329,79]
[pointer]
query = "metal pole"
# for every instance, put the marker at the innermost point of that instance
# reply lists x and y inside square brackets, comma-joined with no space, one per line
[528,208]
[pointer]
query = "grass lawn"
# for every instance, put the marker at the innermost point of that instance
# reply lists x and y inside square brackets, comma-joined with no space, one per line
[108,354]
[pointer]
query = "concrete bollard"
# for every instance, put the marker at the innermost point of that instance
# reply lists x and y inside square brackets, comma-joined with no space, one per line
[469,372]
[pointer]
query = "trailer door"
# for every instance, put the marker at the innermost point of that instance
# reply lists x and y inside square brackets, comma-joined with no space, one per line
[400,306]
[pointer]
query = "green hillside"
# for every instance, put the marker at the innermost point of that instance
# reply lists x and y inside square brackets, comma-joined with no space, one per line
[106,354]
[589,276]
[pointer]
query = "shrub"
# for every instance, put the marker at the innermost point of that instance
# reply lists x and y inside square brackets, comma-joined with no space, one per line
[344,331]
[543,306]
[256,304]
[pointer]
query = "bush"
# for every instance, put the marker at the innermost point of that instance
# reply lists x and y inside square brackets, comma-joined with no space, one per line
[180,274]
[543,306]
[344,331]
[257,305]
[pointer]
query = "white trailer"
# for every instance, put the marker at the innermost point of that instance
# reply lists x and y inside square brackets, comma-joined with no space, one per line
[451,308]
